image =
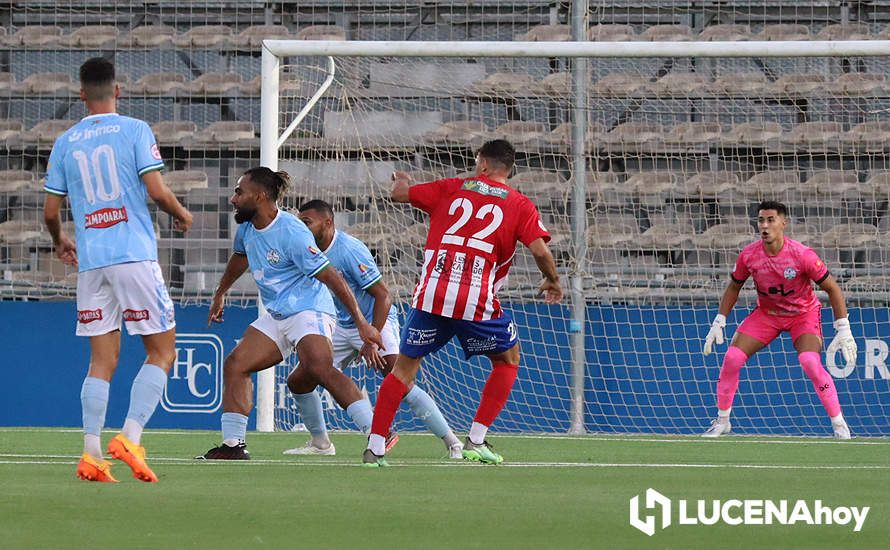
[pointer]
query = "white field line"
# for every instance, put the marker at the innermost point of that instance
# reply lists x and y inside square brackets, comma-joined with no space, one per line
[25,459]
[746,439]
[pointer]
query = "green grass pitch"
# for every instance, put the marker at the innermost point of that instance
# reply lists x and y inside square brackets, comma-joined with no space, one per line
[552,492]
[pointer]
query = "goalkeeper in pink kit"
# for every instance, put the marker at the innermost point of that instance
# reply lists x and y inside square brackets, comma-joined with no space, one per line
[784,271]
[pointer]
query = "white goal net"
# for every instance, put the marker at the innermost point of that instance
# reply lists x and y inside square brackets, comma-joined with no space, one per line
[680,146]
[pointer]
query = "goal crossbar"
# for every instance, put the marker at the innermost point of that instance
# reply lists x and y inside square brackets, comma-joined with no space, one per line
[792,48]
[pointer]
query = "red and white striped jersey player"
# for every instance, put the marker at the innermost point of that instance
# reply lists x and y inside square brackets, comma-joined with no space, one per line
[784,271]
[475,224]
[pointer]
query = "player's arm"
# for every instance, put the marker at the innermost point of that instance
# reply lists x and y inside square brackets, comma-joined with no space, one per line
[65,248]
[401,184]
[835,296]
[235,268]
[843,338]
[166,200]
[727,302]
[382,304]
[550,287]
[337,285]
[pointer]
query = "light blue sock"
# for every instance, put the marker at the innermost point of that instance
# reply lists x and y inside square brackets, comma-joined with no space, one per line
[234,427]
[94,401]
[145,393]
[361,414]
[309,405]
[426,410]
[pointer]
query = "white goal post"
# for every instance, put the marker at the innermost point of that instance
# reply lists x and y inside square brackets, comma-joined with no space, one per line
[622,320]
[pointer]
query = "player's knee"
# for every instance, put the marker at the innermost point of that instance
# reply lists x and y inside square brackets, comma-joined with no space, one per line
[734,359]
[299,381]
[811,363]
[233,365]
[162,358]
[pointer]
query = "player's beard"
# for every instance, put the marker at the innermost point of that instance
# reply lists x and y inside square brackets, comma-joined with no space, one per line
[244,214]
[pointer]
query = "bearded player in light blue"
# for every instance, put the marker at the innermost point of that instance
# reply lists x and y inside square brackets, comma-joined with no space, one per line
[353,259]
[294,278]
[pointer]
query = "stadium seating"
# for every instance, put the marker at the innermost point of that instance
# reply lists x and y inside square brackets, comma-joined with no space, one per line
[547,33]
[10,129]
[458,132]
[611,33]
[322,32]
[36,36]
[171,133]
[46,83]
[165,83]
[149,36]
[678,83]
[205,36]
[46,132]
[845,31]
[724,32]
[252,37]
[91,36]
[214,84]
[196,79]
[230,133]
[183,181]
[784,31]
[664,33]
[506,83]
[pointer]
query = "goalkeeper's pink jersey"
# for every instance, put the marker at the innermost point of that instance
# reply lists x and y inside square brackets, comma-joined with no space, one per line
[784,282]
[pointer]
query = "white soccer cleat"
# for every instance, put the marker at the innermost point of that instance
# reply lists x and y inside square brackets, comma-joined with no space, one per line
[842,431]
[310,449]
[719,426]
[456,451]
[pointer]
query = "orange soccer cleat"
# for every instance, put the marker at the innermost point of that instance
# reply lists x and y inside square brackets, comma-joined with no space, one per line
[91,469]
[123,449]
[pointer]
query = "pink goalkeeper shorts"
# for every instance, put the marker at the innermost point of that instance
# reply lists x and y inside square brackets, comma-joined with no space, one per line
[765,327]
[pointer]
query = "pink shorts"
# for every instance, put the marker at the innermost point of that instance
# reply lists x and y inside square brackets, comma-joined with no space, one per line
[766,327]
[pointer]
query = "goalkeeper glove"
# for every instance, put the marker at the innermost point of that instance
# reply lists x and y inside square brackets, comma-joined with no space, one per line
[715,335]
[843,340]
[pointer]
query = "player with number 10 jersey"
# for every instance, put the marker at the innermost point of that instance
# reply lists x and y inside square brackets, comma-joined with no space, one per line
[98,163]
[108,165]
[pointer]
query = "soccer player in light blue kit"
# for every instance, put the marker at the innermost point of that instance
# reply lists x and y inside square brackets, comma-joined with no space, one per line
[106,164]
[353,259]
[294,278]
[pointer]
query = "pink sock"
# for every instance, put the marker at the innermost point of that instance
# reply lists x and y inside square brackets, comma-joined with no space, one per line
[729,376]
[822,381]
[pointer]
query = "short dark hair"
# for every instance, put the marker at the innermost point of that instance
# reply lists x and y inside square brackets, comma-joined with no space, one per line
[97,78]
[275,183]
[499,151]
[317,205]
[780,208]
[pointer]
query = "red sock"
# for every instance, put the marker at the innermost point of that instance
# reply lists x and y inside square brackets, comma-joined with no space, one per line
[389,396]
[495,392]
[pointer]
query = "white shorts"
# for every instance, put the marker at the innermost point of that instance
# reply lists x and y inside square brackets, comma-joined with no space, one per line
[133,292]
[288,332]
[347,343]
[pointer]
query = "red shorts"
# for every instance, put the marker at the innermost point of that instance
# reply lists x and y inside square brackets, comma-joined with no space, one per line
[766,327]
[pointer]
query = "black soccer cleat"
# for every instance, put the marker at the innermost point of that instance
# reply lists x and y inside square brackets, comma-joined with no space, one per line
[225,452]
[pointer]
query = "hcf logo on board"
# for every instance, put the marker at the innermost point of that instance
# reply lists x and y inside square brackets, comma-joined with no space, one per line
[195,381]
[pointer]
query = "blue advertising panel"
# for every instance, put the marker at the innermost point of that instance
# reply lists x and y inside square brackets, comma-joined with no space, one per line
[46,364]
[645,374]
